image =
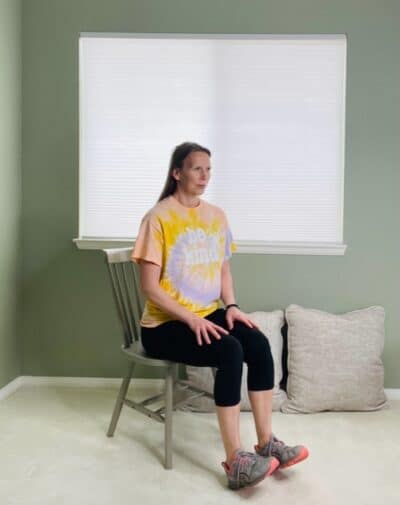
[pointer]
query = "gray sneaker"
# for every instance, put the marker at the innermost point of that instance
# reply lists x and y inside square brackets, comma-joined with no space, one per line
[248,469]
[286,455]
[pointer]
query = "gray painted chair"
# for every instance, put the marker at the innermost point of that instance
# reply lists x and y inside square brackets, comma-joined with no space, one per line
[124,277]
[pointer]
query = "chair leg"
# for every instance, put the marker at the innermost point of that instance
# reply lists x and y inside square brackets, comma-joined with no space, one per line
[120,400]
[176,378]
[169,389]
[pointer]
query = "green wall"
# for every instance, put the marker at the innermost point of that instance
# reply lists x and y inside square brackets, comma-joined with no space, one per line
[10,185]
[67,318]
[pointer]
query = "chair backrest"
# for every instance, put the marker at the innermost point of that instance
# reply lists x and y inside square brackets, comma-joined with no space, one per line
[124,275]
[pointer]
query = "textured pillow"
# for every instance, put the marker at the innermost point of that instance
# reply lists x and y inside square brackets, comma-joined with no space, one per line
[270,323]
[334,361]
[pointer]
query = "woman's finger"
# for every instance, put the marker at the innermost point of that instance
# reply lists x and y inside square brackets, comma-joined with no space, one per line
[214,332]
[247,322]
[220,329]
[198,336]
[206,338]
[229,321]
[252,324]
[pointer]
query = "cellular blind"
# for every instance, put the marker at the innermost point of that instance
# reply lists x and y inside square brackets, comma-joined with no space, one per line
[270,108]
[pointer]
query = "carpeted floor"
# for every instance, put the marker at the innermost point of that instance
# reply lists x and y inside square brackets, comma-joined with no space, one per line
[53,450]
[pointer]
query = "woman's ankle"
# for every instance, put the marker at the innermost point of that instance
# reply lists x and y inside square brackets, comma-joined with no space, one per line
[230,456]
[263,440]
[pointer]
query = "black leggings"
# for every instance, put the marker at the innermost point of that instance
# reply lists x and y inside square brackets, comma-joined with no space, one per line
[175,341]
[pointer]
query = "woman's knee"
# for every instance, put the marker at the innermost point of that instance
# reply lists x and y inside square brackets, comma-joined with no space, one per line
[259,343]
[255,346]
[230,352]
[260,363]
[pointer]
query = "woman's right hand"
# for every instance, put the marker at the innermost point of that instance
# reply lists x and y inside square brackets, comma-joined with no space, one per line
[203,329]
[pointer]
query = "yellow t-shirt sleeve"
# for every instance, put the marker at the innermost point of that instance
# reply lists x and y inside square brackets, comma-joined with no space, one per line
[149,243]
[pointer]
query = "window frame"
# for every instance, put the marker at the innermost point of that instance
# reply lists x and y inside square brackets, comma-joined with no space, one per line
[243,246]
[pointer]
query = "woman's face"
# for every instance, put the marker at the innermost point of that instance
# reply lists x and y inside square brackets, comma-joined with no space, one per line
[195,173]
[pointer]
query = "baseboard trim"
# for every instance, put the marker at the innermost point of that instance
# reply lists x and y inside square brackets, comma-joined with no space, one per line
[78,382]
[393,394]
[11,387]
[99,382]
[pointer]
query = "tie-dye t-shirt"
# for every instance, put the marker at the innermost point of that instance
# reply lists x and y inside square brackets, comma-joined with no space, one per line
[190,245]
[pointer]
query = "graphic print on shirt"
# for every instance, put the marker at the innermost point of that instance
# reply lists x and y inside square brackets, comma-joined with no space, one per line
[195,251]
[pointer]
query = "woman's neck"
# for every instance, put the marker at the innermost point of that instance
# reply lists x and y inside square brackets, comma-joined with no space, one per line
[186,200]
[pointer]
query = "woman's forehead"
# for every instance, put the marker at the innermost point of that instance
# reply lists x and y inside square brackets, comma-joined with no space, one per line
[196,158]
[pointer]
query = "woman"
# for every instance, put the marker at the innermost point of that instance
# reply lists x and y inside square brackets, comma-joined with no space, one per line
[183,248]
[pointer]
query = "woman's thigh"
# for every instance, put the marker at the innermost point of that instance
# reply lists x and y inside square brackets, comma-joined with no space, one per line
[252,340]
[175,341]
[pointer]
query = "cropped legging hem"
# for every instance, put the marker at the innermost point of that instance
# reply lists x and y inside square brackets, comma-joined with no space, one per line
[175,341]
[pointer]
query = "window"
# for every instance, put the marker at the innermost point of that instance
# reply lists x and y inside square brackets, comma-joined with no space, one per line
[270,108]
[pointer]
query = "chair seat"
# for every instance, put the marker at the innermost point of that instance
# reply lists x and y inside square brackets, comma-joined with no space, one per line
[137,353]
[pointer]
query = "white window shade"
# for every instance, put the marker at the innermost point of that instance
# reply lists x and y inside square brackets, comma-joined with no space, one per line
[270,108]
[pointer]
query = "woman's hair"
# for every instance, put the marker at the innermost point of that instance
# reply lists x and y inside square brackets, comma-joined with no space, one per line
[177,159]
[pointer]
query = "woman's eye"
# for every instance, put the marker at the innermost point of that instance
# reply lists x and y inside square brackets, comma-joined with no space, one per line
[199,168]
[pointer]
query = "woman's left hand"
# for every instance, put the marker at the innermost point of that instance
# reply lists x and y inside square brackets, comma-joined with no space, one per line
[235,314]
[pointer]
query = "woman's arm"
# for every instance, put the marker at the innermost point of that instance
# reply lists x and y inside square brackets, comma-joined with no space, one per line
[150,284]
[150,279]
[227,296]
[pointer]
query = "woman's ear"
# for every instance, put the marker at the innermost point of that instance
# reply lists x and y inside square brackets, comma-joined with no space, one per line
[176,174]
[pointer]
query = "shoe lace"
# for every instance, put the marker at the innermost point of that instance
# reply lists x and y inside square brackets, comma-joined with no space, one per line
[277,446]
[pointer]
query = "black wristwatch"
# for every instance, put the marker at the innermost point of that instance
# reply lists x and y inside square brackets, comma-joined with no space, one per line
[232,305]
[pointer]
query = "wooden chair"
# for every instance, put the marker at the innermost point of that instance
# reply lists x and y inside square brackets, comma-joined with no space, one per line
[124,277]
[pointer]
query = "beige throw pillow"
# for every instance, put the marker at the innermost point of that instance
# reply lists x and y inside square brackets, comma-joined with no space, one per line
[270,323]
[334,361]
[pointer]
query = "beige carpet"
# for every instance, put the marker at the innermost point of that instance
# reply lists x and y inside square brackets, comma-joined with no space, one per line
[53,450]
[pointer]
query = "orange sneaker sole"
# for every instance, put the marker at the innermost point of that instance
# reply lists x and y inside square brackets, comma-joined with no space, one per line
[271,469]
[302,456]
[274,465]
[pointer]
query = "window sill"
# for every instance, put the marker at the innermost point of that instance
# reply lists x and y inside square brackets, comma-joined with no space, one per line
[243,247]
